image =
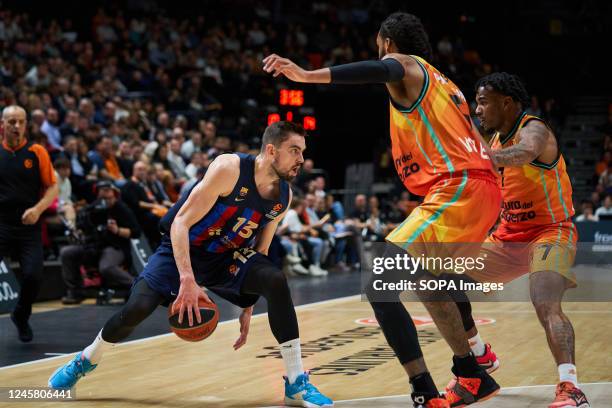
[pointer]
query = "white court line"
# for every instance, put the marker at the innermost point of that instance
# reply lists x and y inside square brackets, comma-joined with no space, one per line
[408,395]
[300,307]
[481,312]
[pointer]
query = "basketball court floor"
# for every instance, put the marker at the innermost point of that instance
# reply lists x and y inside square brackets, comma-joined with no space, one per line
[341,344]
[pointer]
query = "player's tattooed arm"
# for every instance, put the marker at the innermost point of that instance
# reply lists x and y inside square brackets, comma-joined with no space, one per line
[534,137]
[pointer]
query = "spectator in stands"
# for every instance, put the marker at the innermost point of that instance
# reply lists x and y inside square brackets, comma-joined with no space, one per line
[171,186]
[305,234]
[161,157]
[339,234]
[209,129]
[111,248]
[155,184]
[602,165]
[293,260]
[587,212]
[595,199]
[376,228]
[198,160]
[105,159]
[222,144]
[65,206]
[177,164]
[138,152]
[605,211]
[50,127]
[305,175]
[319,186]
[405,205]
[194,144]
[143,203]
[70,127]
[125,158]
[160,139]
[38,117]
[605,180]
[359,215]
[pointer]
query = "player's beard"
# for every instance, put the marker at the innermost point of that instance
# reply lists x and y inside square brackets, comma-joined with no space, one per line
[283,175]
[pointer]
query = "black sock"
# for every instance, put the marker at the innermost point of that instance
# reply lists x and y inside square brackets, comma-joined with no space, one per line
[466,366]
[423,384]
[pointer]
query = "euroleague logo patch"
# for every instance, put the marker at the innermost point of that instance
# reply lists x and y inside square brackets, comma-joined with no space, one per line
[420,321]
[28,163]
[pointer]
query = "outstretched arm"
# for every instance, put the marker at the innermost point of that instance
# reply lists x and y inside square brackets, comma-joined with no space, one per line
[389,69]
[533,141]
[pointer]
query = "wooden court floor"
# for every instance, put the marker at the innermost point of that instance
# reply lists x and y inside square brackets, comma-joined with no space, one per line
[347,354]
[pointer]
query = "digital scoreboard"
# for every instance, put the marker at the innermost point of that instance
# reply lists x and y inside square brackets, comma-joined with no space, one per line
[291,106]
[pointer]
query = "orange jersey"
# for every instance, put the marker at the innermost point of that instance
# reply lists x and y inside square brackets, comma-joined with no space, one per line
[435,135]
[535,193]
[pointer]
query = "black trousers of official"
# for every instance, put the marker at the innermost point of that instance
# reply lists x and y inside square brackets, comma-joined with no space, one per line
[23,243]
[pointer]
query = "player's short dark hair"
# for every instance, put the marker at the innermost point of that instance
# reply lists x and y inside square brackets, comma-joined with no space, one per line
[408,34]
[506,84]
[278,132]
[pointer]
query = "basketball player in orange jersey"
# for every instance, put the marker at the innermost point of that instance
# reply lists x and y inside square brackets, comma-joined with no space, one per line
[439,154]
[536,234]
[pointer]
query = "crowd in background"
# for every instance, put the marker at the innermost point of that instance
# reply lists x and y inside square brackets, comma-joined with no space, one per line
[149,101]
[599,205]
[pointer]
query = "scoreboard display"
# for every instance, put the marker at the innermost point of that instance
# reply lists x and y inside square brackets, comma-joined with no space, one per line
[290,105]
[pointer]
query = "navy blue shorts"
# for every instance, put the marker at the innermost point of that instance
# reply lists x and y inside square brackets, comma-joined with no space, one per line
[221,273]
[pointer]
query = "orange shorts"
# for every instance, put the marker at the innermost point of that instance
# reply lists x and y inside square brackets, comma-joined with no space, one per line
[457,210]
[510,254]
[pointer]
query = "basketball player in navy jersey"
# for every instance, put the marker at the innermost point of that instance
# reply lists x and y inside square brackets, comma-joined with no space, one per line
[218,236]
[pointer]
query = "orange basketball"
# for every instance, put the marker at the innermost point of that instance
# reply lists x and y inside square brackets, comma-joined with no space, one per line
[199,331]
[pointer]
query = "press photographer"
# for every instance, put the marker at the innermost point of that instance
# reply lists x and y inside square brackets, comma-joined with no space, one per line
[105,228]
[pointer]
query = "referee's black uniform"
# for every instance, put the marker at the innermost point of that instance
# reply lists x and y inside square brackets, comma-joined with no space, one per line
[25,173]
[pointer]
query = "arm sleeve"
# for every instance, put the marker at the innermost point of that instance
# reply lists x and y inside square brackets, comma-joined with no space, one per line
[367,72]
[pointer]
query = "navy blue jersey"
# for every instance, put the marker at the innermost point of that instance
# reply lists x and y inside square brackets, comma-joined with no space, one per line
[233,221]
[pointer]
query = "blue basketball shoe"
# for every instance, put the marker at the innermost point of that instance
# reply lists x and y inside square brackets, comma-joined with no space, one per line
[67,375]
[303,394]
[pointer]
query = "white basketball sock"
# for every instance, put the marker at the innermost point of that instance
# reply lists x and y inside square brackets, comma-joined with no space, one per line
[94,351]
[477,345]
[568,372]
[292,357]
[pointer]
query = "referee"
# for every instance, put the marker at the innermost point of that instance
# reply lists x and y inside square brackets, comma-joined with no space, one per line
[27,188]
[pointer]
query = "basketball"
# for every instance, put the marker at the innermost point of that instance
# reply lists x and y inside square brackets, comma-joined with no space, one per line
[199,331]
